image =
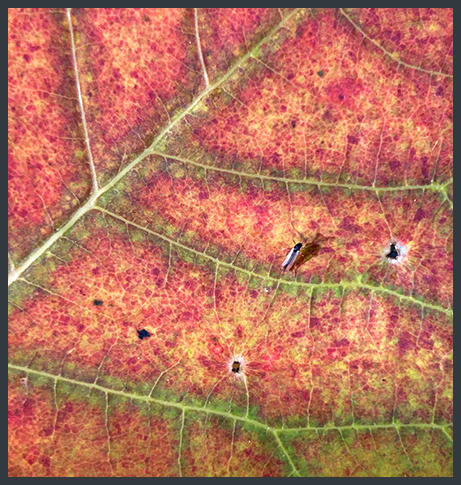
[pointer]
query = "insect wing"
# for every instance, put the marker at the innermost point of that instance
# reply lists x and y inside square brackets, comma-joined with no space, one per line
[290,259]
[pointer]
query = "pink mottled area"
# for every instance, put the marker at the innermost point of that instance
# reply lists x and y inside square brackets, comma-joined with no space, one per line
[345,369]
[48,171]
[214,448]
[258,223]
[303,354]
[72,439]
[344,113]
[228,33]
[137,66]
[422,37]
[44,443]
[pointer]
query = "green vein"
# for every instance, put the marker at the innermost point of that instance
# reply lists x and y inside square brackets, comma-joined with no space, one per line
[39,251]
[285,452]
[89,204]
[342,284]
[225,414]
[445,432]
[434,186]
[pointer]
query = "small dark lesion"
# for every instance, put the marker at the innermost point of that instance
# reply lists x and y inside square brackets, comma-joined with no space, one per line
[97,302]
[142,334]
[236,366]
[293,123]
[393,252]
[321,73]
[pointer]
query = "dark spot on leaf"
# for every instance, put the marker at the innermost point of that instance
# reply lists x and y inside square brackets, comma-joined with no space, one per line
[320,73]
[146,18]
[393,253]
[236,366]
[143,334]
[384,380]
[341,97]
[97,302]
[293,124]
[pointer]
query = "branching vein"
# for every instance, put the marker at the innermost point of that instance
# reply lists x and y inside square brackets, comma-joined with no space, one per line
[250,273]
[227,414]
[199,49]
[432,186]
[94,178]
[388,54]
[89,204]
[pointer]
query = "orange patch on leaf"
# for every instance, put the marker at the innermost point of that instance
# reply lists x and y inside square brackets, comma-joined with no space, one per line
[48,174]
[132,84]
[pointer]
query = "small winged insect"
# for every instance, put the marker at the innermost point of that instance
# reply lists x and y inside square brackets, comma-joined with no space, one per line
[236,366]
[394,253]
[300,253]
[291,257]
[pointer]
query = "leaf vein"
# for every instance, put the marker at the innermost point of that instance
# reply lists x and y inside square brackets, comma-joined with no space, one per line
[225,414]
[250,273]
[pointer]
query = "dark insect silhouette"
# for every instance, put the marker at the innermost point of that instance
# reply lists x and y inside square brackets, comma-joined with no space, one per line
[142,334]
[291,257]
[236,366]
[393,253]
[97,302]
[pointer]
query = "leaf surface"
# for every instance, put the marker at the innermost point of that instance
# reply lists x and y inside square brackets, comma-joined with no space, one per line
[160,163]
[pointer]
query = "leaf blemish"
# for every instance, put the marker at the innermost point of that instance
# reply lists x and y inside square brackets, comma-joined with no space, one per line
[236,366]
[97,302]
[395,252]
[142,334]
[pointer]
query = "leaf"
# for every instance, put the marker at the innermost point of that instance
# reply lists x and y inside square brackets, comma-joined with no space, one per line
[160,162]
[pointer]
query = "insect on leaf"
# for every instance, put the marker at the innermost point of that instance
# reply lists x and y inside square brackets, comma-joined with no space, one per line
[158,161]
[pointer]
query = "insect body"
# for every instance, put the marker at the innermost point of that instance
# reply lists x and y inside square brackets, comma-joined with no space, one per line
[302,253]
[236,366]
[291,257]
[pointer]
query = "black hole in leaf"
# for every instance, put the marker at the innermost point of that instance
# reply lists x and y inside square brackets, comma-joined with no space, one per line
[320,73]
[393,253]
[97,302]
[143,334]
[236,366]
